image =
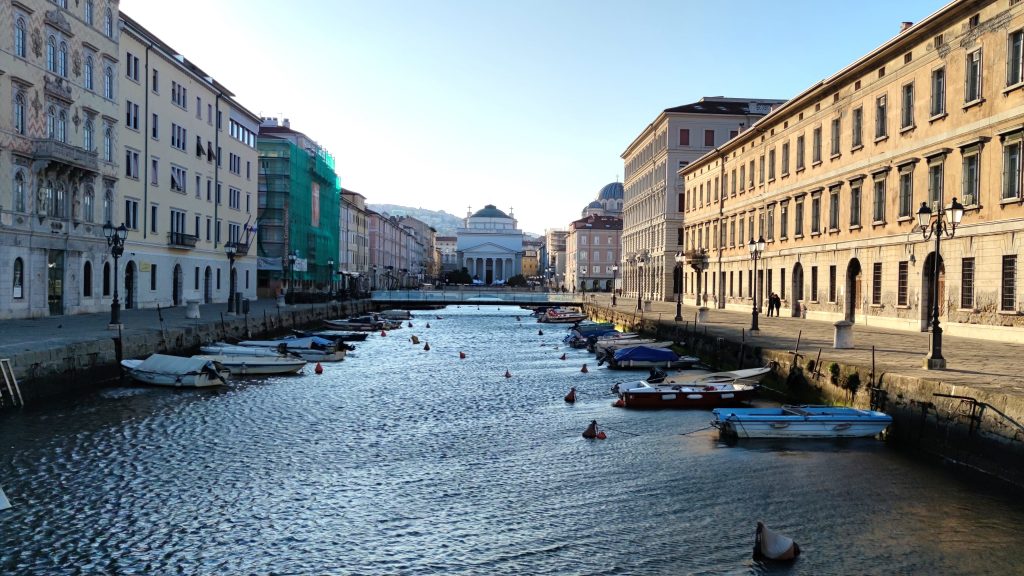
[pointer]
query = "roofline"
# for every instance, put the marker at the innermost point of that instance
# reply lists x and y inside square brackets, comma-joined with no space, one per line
[826,84]
[665,114]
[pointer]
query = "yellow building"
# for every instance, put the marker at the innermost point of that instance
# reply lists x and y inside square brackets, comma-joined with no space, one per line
[188,178]
[834,179]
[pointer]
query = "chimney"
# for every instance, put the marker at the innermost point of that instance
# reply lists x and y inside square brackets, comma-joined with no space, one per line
[904,26]
[287,123]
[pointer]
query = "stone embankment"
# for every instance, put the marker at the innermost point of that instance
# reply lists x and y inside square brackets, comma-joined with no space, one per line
[55,357]
[971,414]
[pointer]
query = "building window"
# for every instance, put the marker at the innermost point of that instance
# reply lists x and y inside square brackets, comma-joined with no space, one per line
[935,183]
[971,176]
[907,107]
[833,209]
[108,23]
[855,194]
[131,66]
[881,119]
[87,74]
[798,219]
[1015,44]
[19,191]
[816,216]
[771,164]
[967,283]
[19,37]
[131,214]
[88,136]
[131,164]
[857,127]
[906,191]
[88,204]
[876,283]
[784,221]
[684,137]
[709,138]
[155,81]
[770,224]
[814,283]
[901,285]
[878,215]
[816,146]
[132,115]
[800,152]
[19,278]
[51,54]
[108,83]
[89,12]
[832,283]
[785,159]
[836,136]
[1011,169]
[19,112]
[972,87]
[108,145]
[179,179]
[1008,302]
[743,177]
[938,106]
[87,279]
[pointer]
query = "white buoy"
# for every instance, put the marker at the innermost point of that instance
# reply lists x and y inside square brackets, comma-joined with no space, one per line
[4,502]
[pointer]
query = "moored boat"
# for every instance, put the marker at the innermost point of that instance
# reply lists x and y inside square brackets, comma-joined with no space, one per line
[562,316]
[240,365]
[800,422]
[177,371]
[646,357]
[336,335]
[367,323]
[311,348]
[644,396]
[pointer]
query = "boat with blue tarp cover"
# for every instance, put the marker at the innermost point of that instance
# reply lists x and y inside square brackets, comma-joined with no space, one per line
[648,357]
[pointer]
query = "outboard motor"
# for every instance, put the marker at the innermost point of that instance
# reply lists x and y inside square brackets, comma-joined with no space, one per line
[656,376]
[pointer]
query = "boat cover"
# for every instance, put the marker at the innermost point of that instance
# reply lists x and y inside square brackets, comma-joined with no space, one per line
[296,343]
[645,354]
[164,364]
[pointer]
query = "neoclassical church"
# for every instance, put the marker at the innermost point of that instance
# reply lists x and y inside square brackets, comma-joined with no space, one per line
[490,245]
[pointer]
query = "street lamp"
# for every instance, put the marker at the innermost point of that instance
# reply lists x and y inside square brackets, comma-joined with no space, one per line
[231,248]
[756,248]
[699,263]
[639,282]
[943,223]
[115,239]
[615,270]
[292,257]
[679,286]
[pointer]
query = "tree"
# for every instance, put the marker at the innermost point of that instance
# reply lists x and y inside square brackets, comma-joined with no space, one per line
[518,281]
[458,277]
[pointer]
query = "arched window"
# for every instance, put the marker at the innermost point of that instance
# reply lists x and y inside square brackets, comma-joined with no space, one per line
[19,37]
[60,201]
[19,191]
[19,278]
[62,126]
[51,54]
[87,72]
[47,197]
[89,9]
[108,23]
[108,145]
[106,278]
[88,136]
[87,279]
[108,205]
[19,112]
[88,204]
[108,83]
[62,60]
[51,122]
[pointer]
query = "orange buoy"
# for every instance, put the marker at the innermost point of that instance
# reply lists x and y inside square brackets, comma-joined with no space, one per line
[462,355]
[508,374]
[601,435]
[618,404]
[426,346]
[584,369]
[562,357]
[571,396]
[428,324]
[540,332]
[383,333]
[319,369]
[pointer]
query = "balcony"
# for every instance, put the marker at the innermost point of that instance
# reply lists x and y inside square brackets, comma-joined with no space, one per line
[181,240]
[49,150]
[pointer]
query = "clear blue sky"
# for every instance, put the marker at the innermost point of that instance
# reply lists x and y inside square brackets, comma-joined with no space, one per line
[525,104]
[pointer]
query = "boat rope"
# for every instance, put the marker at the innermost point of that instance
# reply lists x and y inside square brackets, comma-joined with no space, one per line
[698,430]
[606,427]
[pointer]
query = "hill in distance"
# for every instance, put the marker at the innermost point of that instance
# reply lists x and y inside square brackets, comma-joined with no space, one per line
[446,224]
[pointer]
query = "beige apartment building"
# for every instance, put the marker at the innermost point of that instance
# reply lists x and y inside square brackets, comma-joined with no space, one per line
[354,262]
[59,67]
[592,253]
[833,181]
[652,214]
[188,177]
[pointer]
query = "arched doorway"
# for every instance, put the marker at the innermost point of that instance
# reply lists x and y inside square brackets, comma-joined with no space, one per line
[208,286]
[927,294]
[177,285]
[854,291]
[129,285]
[797,288]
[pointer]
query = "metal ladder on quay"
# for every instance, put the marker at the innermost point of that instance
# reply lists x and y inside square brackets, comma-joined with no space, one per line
[11,381]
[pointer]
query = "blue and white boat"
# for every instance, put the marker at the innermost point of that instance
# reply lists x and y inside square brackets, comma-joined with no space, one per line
[648,357]
[800,422]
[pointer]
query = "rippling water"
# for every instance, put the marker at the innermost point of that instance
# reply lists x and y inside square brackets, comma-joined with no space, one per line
[406,461]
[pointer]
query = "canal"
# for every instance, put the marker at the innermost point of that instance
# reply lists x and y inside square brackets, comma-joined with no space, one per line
[402,460]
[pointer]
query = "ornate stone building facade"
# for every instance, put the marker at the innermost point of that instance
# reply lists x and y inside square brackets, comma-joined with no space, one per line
[490,246]
[833,181]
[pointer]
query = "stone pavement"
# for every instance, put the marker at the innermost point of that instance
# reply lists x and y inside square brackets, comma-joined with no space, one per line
[993,366]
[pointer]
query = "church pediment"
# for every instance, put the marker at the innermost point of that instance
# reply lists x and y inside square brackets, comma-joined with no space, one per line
[489,248]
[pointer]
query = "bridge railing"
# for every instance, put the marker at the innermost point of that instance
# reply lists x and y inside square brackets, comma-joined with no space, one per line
[475,295]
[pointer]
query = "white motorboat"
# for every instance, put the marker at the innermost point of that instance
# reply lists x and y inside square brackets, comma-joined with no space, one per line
[241,365]
[225,349]
[311,348]
[178,371]
[800,422]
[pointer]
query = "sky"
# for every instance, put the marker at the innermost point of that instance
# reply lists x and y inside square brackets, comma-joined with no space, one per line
[524,104]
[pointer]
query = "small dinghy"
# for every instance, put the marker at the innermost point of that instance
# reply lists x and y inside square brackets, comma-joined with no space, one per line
[770,545]
[165,370]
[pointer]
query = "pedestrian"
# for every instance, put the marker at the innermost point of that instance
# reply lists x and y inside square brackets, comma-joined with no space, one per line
[771,304]
[777,303]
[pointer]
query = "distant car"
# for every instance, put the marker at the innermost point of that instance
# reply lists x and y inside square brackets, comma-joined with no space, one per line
[498,283]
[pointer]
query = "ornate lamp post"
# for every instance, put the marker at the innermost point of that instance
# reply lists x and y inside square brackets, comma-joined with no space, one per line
[640,283]
[756,248]
[115,239]
[292,257]
[231,248]
[679,286]
[943,223]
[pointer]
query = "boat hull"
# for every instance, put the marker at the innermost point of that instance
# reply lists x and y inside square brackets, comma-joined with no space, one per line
[800,422]
[257,365]
[191,380]
[662,398]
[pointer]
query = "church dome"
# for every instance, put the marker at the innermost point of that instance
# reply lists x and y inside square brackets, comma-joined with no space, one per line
[613,191]
[489,211]
[596,204]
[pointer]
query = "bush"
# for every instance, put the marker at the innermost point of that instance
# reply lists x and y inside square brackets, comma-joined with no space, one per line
[518,281]
[853,383]
[833,370]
